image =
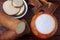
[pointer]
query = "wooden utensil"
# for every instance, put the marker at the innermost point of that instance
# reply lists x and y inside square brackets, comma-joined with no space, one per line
[36,5]
[48,6]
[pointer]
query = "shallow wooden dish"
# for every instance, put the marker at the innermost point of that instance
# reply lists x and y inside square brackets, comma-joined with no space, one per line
[38,34]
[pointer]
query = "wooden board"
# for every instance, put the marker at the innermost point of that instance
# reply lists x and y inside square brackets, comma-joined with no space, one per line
[50,9]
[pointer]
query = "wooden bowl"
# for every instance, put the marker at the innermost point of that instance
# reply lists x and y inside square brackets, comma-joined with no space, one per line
[45,33]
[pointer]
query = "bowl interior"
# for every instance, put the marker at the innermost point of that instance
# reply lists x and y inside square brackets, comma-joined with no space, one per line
[25,11]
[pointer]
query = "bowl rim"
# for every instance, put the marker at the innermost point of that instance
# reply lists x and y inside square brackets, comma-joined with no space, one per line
[25,10]
[39,34]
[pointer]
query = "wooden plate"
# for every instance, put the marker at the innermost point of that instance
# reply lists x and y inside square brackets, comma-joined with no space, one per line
[39,34]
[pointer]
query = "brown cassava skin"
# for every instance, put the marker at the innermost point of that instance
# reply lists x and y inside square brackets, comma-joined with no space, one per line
[11,24]
[8,21]
[8,35]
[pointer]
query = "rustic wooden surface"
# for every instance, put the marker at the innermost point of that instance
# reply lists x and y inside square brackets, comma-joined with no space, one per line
[28,17]
[31,36]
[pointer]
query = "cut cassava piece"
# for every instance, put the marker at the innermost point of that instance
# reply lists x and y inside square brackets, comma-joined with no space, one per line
[21,10]
[25,10]
[44,25]
[17,3]
[12,23]
[9,9]
[45,2]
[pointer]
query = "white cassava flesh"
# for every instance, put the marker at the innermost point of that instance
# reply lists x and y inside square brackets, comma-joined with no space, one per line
[9,9]
[20,28]
[44,24]
[17,3]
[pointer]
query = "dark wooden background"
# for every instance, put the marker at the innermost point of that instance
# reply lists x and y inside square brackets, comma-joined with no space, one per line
[28,18]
